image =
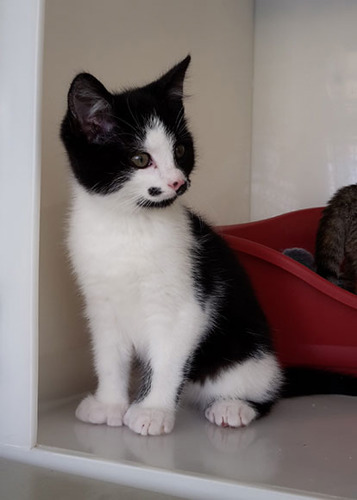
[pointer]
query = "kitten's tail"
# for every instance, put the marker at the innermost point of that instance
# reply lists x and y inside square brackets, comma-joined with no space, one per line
[303,381]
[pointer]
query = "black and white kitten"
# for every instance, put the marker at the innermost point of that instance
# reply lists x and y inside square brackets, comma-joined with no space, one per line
[159,283]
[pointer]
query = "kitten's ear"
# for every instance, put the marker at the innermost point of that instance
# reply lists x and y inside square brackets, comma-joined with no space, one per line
[90,105]
[172,81]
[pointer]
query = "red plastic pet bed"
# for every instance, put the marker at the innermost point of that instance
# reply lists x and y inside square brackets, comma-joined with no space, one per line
[314,322]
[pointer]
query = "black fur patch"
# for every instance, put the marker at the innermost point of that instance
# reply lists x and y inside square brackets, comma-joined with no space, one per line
[144,372]
[238,329]
[154,191]
[262,409]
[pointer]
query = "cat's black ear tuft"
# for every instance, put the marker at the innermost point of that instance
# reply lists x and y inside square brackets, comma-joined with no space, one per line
[172,81]
[89,105]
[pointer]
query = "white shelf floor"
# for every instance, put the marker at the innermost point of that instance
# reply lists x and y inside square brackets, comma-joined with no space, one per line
[306,446]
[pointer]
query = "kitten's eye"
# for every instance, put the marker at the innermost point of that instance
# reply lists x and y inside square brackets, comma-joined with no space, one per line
[141,160]
[179,151]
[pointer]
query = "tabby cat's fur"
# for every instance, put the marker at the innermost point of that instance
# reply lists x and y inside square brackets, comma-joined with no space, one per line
[336,242]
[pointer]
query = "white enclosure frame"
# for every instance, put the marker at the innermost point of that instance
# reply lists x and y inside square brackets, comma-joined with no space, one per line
[21,27]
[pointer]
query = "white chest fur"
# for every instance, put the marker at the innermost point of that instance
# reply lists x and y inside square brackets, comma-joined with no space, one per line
[138,262]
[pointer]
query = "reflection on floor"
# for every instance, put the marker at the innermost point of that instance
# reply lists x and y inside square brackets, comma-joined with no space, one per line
[306,444]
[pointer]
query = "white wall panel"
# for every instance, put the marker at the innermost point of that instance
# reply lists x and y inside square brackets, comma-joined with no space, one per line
[305,103]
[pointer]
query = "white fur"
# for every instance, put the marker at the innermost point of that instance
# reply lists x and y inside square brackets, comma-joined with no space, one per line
[95,412]
[160,145]
[249,380]
[230,413]
[152,421]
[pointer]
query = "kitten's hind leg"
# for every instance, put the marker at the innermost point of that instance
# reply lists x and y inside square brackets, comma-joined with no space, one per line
[241,393]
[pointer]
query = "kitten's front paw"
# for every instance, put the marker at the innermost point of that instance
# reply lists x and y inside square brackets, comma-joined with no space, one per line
[230,413]
[93,411]
[149,421]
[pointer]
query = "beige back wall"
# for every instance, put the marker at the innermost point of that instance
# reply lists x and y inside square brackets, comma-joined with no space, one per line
[125,42]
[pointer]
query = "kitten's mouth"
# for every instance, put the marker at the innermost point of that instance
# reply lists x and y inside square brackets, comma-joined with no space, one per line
[145,203]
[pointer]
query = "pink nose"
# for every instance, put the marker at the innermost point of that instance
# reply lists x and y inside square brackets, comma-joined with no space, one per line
[176,184]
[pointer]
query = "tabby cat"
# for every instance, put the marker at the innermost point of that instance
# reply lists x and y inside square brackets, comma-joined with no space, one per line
[336,241]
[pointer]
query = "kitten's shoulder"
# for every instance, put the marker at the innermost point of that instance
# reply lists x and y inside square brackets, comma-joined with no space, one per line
[198,225]
[211,248]
[205,232]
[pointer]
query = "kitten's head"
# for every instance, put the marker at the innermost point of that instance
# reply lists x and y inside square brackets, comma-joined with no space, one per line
[135,143]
